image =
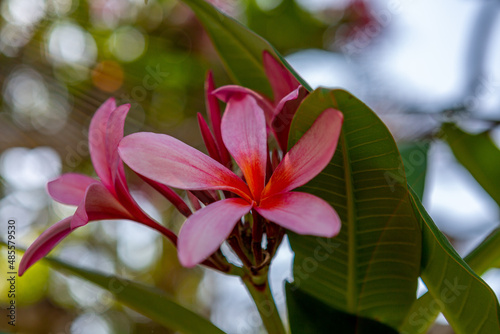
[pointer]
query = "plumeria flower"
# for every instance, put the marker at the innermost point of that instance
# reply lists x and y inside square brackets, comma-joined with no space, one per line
[106,198]
[167,160]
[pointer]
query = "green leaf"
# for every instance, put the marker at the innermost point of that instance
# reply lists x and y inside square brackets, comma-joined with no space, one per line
[371,268]
[308,315]
[414,156]
[467,302]
[287,26]
[424,311]
[486,255]
[479,154]
[239,48]
[151,302]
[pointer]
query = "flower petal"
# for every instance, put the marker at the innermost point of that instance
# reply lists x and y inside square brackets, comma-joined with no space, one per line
[301,213]
[225,93]
[99,204]
[245,136]
[205,230]
[195,202]
[114,133]
[170,195]
[208,139]
[309,156]
[214,116]
[167,160]
[285,111]
[280,78]
[97,141]
[126,200]
[70,188]
[45,243]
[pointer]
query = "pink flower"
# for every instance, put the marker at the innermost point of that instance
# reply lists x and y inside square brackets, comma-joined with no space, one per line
[167,160]
[107,198]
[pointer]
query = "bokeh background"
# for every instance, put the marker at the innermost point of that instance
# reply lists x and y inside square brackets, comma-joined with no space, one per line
[416,63]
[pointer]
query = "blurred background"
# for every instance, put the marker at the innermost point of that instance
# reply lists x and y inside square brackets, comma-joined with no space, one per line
[416,63]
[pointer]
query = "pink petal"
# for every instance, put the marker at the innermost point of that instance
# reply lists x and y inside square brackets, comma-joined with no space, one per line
[45,243]
[214,117]
[203,232]
[170,195]
[195,202]
[70,188]
[126,200]
[225,93]
[301,213]
[114,133]
[285,111]
[293,95]
[205,196]
[208,139]
[99,204]
[281,80]
[309,156]
[245,136]
[97,141]
[167,160]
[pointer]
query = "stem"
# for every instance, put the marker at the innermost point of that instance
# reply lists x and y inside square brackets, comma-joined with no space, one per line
[274,237]
[257,233]
[236,246]
[258,287]
[219,262]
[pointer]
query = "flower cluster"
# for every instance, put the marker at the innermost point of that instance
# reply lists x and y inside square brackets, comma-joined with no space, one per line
[240,206]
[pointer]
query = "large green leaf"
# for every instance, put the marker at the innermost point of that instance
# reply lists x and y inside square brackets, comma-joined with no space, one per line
[239,48]
[468,303]
[309,315]
[287,26]
[479,154]
[426,309]
[414,156]
[371,268]
[151,302]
